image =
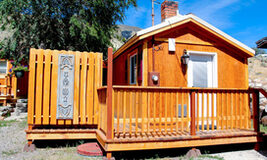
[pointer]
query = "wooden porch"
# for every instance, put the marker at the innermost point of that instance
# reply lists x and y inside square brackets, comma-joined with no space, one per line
[153,117]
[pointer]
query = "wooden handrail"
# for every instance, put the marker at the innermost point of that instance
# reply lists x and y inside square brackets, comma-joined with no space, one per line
[262,91]
[179,88]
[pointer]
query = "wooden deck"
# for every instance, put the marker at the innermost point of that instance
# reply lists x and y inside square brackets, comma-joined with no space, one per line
[157,140]
[178,140]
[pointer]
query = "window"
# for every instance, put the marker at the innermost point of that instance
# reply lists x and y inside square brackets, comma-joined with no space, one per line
[133,69]
[3,67]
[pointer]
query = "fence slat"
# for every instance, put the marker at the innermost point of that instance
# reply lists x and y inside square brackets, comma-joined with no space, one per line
[83,88]
[46,99]
[90,89]
[96,85]
[54,88]
[76,89]
[39,88]
[31,103]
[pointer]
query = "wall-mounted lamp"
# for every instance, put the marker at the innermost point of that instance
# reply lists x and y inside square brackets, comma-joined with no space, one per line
[185,58]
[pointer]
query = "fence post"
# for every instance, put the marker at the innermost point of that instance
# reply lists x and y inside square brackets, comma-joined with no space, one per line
[193,112]
[255,104]
[109,94]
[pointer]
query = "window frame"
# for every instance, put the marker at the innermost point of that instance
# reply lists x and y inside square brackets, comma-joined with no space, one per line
[6,67]
[130,71]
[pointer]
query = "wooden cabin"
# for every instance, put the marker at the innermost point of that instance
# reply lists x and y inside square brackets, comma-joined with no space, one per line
[181,83]
[262,43]
[10,87]
[8,84]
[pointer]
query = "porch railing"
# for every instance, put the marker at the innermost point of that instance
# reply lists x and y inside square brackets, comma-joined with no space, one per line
[172,111]
[133,111]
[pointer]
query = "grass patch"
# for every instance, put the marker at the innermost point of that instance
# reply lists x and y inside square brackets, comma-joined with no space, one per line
[205,156]
[23,123]
[263,128]
[9,153]
[6,123]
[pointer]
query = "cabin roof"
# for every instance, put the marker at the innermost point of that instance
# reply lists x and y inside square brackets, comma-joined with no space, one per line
[179,20]
[262,43]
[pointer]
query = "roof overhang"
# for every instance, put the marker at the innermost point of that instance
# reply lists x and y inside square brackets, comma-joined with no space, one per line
[177,21]
[262,43]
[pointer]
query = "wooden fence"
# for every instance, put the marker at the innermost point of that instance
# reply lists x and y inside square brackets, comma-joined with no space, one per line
[178,111]
[43,79]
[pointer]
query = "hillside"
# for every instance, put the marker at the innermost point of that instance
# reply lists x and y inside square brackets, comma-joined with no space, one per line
[124,32]
[257,68]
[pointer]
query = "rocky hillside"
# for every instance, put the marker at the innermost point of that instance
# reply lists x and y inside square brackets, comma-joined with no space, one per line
[257,68]
[123,34]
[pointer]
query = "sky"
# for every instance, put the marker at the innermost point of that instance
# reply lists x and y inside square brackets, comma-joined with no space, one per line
[245,20]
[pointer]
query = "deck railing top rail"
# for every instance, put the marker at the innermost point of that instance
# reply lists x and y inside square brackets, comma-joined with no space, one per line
[179,88]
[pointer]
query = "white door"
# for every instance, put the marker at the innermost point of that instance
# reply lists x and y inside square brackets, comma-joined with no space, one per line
[202,72]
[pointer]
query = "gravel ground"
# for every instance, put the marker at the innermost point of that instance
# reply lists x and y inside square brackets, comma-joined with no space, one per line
[13,139]
[242,155]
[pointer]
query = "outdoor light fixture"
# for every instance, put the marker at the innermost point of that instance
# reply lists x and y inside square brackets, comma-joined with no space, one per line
[155,78]
[185,58]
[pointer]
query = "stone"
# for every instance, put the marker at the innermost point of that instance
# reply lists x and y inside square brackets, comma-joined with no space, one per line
[22,101]
[4,108]
[21,107]
[264,121]
[29,148]
[193,153]
[251,84]
[2,118]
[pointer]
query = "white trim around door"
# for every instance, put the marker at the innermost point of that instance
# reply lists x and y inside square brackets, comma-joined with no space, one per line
[213,69]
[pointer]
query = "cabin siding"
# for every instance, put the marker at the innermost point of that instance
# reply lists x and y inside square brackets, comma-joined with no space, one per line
[232,68]
[121,66]
[231,63]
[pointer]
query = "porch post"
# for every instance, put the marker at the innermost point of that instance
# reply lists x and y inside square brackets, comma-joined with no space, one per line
[109,94]
[255,99]
[193,112]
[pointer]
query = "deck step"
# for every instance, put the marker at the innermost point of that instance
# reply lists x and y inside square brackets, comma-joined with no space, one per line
[89,149]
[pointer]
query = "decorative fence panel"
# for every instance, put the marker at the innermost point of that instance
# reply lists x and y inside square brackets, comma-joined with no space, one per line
[43,87]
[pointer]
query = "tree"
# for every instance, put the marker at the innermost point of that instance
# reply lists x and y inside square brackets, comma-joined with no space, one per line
[259,51]
[83,25]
